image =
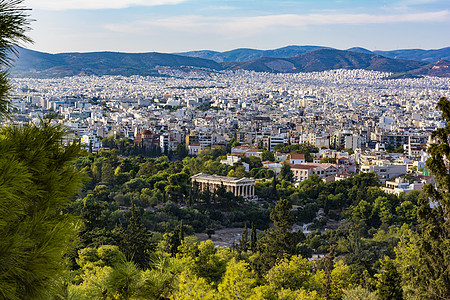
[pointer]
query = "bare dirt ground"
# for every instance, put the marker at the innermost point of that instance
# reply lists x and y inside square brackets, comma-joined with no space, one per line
[224,237]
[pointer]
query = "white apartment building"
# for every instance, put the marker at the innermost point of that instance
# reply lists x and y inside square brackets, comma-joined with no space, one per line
[91,142]
[385,170]
[352,142]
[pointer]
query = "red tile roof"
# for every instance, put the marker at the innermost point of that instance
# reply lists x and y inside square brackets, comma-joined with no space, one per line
[297,156]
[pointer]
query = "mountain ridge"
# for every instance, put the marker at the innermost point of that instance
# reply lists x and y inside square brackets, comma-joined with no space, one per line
[248,54]
[40,64]
[34,63]
[328,59]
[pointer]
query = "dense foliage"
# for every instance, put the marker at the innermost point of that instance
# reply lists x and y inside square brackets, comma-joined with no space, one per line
[36,183]
[14,23]
[144,211]
[364,224]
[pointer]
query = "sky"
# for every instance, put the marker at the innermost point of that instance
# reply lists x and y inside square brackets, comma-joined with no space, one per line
[186,25]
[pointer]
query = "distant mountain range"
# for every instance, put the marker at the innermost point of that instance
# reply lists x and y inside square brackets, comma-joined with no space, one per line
[328,59]
[291,59]
[33,63]
[241,55]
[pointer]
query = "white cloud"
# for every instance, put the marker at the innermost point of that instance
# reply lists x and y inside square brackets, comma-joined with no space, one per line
[98,4]
[246,26]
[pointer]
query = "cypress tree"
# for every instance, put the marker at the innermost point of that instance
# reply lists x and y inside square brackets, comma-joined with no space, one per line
[253,238]
[329,258]
[181,231]
[432,278]
[280,242]
[281,215]
[389,286]
[243,242]
[136,240]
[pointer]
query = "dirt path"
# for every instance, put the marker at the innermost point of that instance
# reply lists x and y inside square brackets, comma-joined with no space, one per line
[224,237]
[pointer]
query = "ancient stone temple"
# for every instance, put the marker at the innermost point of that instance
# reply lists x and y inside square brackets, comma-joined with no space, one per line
[244,187]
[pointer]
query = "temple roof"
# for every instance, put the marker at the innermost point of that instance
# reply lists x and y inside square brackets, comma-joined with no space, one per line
[221,178]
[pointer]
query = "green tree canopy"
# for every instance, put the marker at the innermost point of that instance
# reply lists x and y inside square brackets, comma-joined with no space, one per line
[286,173]
[389,286]
[37,180]
[281,215]
[14,23]
[433,277]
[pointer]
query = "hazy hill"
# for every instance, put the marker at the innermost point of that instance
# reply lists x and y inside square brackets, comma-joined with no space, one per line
[244,54]
[360,50]
[327,59]
[418,54]
[440,68]
[37,64]
[33,63]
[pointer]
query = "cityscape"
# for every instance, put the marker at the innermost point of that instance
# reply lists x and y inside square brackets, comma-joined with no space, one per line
[224,150]
[336,111]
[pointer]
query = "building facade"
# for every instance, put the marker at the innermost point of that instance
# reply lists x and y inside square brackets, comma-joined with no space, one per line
[385,171]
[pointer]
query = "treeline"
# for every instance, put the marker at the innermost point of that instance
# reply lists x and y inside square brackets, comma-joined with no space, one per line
[132,236]
[268,267]
[369,224]
[129,234]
